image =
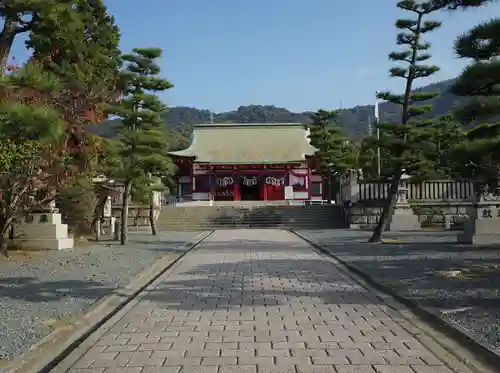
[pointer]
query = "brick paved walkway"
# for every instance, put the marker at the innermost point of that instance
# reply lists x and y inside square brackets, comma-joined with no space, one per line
[257,301]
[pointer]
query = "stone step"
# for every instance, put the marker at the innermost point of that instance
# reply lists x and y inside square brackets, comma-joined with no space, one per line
[220,217]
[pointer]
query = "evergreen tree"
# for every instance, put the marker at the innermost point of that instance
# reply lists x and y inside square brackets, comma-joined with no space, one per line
[78,41]
[30,176]
[367,160]
[21,16]
[480,150]
[335,153]
[334,150]
[81,46]
[144,141]
[368,156]
[402,137]
[446,133]
[460,4]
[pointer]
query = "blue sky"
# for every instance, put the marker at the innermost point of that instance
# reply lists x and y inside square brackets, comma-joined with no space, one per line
[301,55]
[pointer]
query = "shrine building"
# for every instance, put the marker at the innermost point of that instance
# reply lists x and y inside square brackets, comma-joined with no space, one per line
[243,161]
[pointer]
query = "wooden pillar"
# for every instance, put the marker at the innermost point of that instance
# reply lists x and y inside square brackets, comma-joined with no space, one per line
[309,183]
[236,190]
[191,179]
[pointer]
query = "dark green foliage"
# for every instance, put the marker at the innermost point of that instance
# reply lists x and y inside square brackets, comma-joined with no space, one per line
[144,136]
[77,204]
[144,140]
[367,160]
[334,151]
[478,155]
[83,31]
[29,176]
[423,148]
[445,134]
[461,4]
[20,16]
[80,46]
[406,138]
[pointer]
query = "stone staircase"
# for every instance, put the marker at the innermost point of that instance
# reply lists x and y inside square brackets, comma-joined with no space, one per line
[250,216]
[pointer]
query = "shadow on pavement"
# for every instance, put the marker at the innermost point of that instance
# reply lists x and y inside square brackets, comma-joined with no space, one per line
[459,283]
[30,289]
[279,273]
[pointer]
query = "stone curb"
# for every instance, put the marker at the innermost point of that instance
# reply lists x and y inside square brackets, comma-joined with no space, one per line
[48,353]
[472,355]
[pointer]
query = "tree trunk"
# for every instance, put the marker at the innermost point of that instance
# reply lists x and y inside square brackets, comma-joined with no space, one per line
[7,36]
[98,211]
[138,213]
[388,207]
[5,225]
[124,215]
[11,233]
[152,220]
[3,246]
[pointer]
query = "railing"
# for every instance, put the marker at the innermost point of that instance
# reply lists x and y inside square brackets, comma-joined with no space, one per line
[435,190]
[308,202]
[174,200]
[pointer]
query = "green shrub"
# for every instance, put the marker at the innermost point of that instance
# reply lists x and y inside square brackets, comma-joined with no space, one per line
[77,204]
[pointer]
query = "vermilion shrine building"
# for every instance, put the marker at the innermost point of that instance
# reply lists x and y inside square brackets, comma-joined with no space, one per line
[248,162]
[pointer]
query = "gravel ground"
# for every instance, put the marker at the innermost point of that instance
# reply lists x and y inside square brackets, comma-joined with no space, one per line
[41,290]
[420,265]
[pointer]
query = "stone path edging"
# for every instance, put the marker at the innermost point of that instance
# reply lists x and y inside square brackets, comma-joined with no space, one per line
[45,355]
[440,334]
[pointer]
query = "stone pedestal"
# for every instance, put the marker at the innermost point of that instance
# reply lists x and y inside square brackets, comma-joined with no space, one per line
[44,231]
[403,217]
[108,208]
[483,224]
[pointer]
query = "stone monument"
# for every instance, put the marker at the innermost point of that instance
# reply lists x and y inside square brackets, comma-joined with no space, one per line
[403,217]
[44,230]
[483,225]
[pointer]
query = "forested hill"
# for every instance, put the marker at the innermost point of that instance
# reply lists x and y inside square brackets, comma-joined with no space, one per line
[354,120]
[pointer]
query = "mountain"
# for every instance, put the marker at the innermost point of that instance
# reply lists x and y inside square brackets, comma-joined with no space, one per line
[355,120]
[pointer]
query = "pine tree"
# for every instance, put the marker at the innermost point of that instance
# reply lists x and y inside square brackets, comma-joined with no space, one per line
[334,151]
[460,4]
[402,137]
[144,142]
[77,40]
[480,150]
[80,44]
[446,132]
[21,16]
[30,176]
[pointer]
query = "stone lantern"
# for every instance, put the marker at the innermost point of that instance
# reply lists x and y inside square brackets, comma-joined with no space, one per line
[403,218]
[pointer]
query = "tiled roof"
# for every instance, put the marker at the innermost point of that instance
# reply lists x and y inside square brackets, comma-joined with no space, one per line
[248,143]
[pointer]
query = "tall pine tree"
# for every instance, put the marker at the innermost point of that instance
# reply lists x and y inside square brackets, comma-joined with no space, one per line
[144,141]
[480,150]
[335,153]
[80,44]
[403,135]
[22,16]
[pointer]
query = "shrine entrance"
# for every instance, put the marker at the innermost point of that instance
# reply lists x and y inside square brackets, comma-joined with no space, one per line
[249,189]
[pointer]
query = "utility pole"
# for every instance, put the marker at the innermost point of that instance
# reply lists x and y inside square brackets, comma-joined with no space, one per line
[377,121]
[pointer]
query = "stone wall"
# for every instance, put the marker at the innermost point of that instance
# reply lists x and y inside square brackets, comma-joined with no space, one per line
[360,190]
[431,214]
